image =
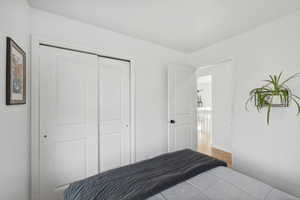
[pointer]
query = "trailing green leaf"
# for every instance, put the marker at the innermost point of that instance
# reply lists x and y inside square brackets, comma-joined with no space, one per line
[269,111]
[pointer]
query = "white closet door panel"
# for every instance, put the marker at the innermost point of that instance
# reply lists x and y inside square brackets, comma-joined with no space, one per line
[71,168]
[114,113]
[68,119]
[113,126]
[111,92]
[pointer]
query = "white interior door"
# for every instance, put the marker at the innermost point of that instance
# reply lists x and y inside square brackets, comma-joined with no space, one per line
[114,112]
[68,119]
[182,131]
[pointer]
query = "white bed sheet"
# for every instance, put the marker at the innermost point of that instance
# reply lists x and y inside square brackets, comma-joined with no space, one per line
[222,183]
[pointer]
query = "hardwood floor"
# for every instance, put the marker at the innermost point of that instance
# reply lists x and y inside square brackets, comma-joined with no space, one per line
[205,147]
[222,155]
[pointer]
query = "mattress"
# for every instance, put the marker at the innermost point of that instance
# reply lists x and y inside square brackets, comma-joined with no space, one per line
[222,183]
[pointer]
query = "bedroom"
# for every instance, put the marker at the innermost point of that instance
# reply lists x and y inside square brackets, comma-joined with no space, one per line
[259,38]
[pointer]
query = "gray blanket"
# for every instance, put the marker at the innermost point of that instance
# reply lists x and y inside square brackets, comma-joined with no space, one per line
[143,179]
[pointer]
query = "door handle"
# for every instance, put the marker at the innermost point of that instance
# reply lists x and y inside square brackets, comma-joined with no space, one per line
[172,121]
[44,135]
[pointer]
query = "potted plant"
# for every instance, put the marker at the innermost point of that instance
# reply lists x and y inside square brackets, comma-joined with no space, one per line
[275,93]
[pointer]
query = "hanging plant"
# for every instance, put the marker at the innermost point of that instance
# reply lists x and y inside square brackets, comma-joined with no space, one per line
[275,93]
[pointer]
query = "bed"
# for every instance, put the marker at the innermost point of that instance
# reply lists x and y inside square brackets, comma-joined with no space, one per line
[222,183]
[181,175]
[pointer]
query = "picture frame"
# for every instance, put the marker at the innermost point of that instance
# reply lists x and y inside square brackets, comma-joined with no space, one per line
[15,73]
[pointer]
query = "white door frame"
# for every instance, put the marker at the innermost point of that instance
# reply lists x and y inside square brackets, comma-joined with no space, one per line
[35,105]
[208,67]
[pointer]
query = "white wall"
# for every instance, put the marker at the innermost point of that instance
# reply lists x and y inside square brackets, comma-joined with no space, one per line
[150,65]
[270,153]
[14,148]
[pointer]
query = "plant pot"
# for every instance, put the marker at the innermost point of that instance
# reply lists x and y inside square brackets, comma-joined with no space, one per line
[278,102]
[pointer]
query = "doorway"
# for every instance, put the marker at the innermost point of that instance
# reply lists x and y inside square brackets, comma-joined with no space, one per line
[201,121]
[214,110]
[204,113]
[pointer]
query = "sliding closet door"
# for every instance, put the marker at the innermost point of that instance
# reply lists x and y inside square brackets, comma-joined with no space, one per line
[68,119]
[114,98]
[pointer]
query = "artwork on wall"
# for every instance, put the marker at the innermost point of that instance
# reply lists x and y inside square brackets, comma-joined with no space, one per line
[15,74]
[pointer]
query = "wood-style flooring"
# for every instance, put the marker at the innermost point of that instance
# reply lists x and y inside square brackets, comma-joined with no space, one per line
[205,147]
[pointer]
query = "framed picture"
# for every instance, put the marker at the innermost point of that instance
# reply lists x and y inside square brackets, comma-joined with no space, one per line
[15,74]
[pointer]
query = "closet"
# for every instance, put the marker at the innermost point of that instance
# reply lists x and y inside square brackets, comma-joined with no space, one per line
[84,119]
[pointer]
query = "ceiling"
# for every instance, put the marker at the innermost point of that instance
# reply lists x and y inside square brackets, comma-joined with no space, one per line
[183,25]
